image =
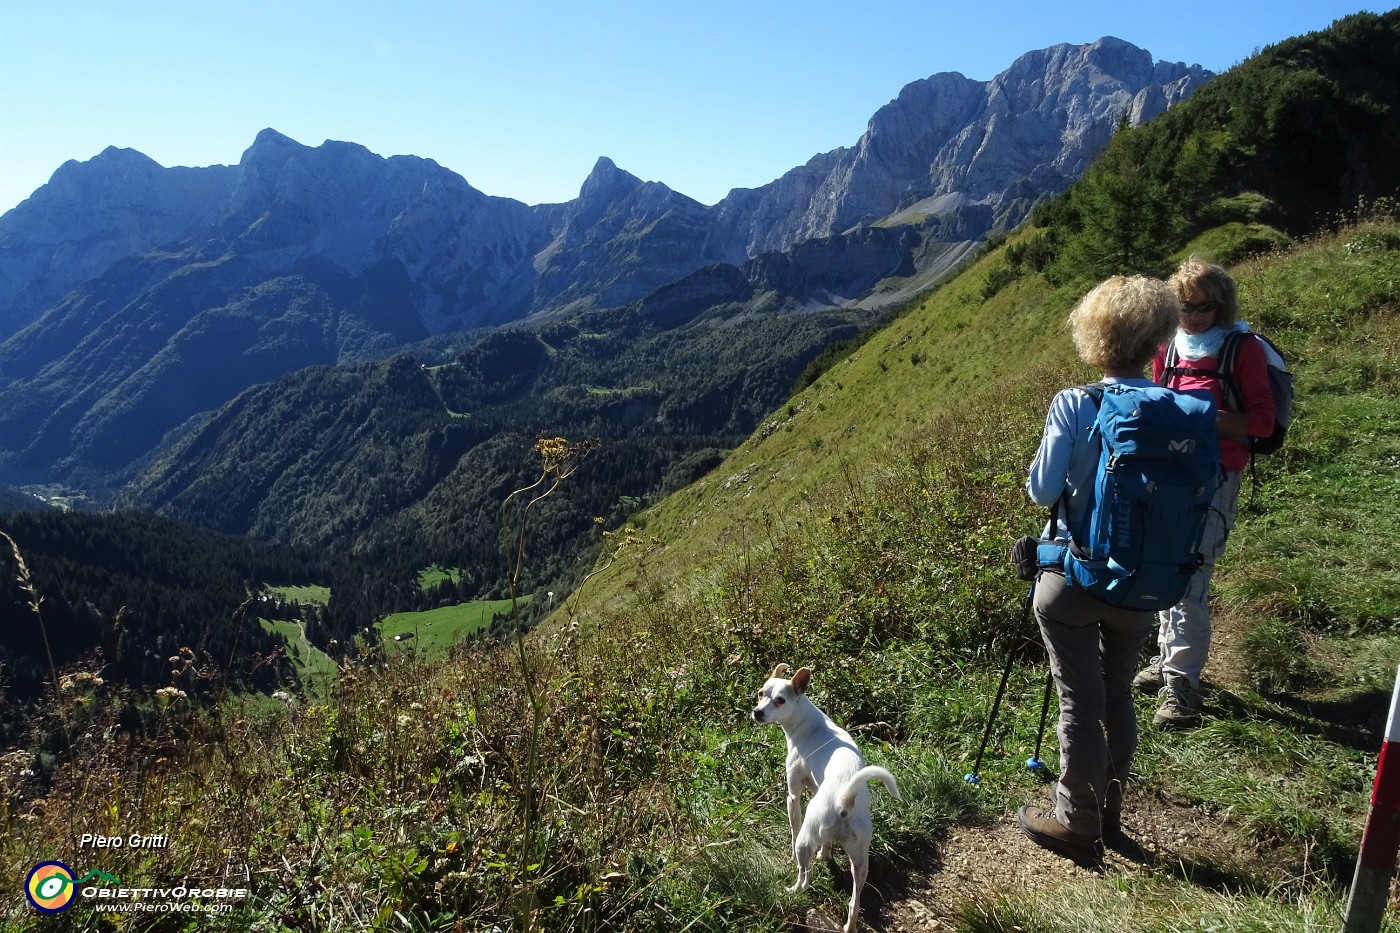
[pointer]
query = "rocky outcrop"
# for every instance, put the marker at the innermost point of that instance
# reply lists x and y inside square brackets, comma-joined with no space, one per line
[91,214]
[948,142]
[467,255]
[621,239]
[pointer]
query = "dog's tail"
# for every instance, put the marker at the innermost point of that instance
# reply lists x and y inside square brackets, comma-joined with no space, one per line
[868,773]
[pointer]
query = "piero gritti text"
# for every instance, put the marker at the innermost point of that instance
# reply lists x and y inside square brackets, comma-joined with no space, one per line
[133,841]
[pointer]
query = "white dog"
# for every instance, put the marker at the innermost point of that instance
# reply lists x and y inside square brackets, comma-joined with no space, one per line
[822,759]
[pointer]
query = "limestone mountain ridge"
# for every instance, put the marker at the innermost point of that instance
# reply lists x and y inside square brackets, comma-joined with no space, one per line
[134,297]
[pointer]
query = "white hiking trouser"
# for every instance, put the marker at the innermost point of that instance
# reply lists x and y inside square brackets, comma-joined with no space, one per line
[1183,637]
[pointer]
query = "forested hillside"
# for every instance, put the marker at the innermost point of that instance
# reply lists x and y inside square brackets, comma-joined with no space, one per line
[404,466]
[127,592]
[12,500]
[1303,130]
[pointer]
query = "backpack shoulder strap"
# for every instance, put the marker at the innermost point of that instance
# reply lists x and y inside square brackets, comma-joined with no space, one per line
[1171,367]
[1095,392]
[1273,355]
[1168,364]
[1229,352]
[1225,367]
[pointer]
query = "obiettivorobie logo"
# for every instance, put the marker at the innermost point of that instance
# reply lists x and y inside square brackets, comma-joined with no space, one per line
[51,887]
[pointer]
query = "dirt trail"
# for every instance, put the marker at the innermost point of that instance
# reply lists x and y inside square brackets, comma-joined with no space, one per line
[975,864]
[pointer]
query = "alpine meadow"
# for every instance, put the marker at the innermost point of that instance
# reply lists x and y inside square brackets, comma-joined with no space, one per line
[560,740]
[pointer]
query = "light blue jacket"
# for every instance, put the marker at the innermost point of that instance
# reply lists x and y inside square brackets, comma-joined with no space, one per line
[1068,459]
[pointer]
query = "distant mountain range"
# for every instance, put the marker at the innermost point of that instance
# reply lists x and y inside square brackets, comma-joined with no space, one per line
[134,297]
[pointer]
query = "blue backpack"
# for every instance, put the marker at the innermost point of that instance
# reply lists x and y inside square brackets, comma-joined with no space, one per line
[1139,540]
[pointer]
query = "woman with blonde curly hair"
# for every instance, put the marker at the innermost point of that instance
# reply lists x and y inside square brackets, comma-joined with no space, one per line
[1093,646]
[1209,316]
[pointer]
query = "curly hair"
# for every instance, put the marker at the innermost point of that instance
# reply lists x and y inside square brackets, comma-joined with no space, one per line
[1123,320]
[1213,282]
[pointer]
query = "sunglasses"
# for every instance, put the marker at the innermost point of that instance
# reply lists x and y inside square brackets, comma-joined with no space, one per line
[1198,307]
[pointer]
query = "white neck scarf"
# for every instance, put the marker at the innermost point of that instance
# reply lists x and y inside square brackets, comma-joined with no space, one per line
[1199,346]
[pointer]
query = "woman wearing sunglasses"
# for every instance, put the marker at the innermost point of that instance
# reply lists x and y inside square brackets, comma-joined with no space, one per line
[1209,313]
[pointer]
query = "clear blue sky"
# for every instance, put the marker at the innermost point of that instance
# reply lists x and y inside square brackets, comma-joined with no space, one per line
[521,98]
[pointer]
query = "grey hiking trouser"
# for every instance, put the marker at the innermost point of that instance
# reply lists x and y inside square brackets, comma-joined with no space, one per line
[1183,636]
[1093,649]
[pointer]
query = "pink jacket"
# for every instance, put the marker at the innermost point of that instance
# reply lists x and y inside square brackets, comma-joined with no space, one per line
[1251,378]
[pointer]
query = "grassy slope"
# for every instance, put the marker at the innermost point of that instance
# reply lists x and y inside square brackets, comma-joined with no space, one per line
[945,354]
[1308,597]
[315,668]
[863,531]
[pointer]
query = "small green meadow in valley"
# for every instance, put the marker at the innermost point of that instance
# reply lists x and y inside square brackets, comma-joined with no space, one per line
[433,632]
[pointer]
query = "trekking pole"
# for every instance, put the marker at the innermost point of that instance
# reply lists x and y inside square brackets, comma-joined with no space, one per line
[1034,762]
[973,777]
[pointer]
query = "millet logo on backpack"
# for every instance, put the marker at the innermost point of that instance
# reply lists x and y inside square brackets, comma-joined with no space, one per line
[1186,445]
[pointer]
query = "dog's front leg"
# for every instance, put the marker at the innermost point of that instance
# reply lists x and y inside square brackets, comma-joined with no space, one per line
[796,781]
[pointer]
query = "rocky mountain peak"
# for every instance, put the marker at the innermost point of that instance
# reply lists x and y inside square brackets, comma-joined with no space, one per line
[262,162]
[1122,60]
[269,139]
[948,142]
[119,155]
[92,213]
[607,182]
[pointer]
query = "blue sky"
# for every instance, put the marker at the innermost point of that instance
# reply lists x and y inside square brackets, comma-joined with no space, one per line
[521,98]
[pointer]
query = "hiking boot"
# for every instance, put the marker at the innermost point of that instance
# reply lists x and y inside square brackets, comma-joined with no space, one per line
[1150,679]
[1181,704]
[1112,823]
[1046,831]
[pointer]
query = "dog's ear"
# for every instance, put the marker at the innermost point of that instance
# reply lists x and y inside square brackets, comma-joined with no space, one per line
[782,670]
[802,679]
